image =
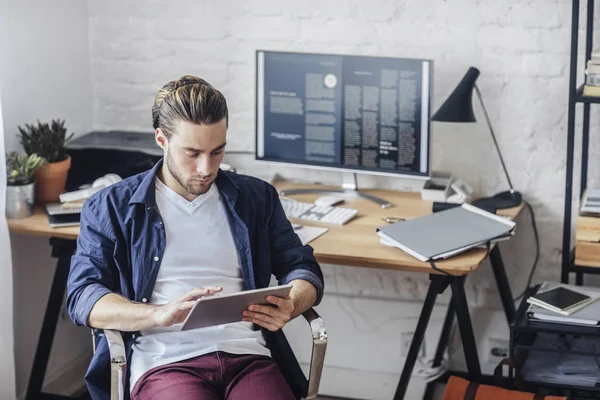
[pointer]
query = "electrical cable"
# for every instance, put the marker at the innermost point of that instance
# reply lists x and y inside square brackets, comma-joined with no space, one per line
[537,251]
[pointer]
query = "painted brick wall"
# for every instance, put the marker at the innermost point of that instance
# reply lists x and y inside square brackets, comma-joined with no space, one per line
[521,48]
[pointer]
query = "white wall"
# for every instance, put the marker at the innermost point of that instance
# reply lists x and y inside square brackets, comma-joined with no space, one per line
[7,337]
[45,74]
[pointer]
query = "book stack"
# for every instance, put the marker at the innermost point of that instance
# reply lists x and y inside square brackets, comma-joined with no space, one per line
[64,214]
[592,75]
[565,304]
[68,211]
[590,204]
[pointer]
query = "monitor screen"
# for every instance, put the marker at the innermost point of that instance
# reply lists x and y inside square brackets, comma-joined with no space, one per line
[355,113]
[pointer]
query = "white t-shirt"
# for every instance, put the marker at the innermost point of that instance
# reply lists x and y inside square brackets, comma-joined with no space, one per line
[200,252]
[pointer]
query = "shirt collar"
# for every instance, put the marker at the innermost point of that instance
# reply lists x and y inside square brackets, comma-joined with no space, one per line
[146,191]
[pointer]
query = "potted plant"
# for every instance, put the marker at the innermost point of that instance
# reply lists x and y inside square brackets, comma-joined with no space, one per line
[20,186]
[48,141]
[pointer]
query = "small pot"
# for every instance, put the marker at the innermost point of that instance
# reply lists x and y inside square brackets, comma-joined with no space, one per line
[51,180]
[20,199]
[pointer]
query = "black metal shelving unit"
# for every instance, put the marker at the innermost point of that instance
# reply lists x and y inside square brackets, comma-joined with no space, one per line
[523,334]
[568,264]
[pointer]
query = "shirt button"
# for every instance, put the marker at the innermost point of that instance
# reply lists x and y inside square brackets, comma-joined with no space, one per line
[155,258]
[133,336]
[144,300]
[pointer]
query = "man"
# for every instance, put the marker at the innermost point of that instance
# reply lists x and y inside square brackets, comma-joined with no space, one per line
[154,243]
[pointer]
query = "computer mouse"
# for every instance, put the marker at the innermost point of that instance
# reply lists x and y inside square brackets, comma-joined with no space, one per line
[329,200]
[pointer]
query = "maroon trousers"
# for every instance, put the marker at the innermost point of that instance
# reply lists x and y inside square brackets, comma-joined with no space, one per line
[215,376]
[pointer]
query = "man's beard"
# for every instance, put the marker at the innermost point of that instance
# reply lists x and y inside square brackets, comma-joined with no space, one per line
[186,185]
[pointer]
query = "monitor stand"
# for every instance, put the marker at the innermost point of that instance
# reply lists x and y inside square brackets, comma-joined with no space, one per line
[349,188]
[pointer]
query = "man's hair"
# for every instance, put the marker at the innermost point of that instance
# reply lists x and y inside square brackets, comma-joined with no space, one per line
[190,99]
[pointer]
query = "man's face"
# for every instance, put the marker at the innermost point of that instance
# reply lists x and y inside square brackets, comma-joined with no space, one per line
[193,154]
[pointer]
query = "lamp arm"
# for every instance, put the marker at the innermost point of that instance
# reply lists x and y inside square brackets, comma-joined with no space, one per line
[487,118]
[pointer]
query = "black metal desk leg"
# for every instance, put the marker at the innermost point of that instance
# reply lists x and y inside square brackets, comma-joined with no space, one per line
[442,344]
[466,327]
[503,285]
[437,285]
[62,249]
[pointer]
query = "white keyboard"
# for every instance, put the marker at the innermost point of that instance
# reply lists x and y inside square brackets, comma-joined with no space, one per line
[312,212]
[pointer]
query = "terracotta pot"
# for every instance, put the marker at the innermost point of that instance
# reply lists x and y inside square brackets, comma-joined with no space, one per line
[50,181]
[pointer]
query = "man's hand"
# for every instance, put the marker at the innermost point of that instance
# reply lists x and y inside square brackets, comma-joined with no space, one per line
[175,311]
[269,317]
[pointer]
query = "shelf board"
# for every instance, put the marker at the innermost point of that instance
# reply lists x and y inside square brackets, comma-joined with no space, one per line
[525,325]
[587,241]
[580,98]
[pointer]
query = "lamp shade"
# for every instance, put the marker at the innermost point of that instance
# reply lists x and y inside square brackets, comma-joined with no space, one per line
[458,107]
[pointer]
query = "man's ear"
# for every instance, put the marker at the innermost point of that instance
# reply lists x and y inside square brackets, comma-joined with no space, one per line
[161,138]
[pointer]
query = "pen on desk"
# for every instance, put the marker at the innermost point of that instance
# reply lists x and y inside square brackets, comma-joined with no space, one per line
[391,220]
[296,227]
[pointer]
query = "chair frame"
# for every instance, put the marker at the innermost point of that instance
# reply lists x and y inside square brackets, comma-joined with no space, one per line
[118,358]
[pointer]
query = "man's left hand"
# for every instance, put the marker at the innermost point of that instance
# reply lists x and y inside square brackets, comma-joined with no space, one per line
[269,317]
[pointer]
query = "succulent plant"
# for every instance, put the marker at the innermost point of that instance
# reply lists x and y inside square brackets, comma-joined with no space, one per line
[47,141]
[20,168]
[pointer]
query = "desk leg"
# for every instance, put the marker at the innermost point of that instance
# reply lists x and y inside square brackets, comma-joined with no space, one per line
[62,249]
[441,349]
[503,285]
[466,327]
[437,285]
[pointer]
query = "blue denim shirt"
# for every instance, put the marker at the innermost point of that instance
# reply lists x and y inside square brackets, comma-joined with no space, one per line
[122,240]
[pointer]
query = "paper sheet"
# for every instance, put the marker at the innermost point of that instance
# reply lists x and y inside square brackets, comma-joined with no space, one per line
[308,233]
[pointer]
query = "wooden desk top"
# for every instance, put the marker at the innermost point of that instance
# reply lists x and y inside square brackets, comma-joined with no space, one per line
[357,244]
[37,225]
[354,244]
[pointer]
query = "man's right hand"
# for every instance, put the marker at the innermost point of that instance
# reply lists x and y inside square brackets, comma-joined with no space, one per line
[175,311]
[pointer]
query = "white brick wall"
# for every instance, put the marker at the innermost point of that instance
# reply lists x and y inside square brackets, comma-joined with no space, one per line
[521,48]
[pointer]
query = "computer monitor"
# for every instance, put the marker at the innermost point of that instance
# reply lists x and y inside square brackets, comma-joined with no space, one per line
[353,114]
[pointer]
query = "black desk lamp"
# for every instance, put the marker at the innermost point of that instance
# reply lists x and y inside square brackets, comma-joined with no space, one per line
[458,107]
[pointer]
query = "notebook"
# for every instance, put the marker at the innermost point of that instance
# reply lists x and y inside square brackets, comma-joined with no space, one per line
[554,301]
[60,214]
[61,220]
[447,233]
[560,300]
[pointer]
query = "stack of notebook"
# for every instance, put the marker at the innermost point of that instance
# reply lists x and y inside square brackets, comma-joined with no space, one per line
[447,233]
[64,214]
[566,304]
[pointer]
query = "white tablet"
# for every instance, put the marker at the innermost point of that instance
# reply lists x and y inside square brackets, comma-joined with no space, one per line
[228,308]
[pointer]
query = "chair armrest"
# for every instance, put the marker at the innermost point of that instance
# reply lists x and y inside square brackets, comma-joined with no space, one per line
[116,346]
[319,334]
[118,363]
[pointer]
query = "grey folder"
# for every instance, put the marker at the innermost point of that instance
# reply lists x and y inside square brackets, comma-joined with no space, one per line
[446,233]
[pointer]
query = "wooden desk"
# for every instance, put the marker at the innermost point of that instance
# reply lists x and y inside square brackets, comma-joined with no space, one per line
[353,244]
[357,244]
[63,242]
[37,225]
